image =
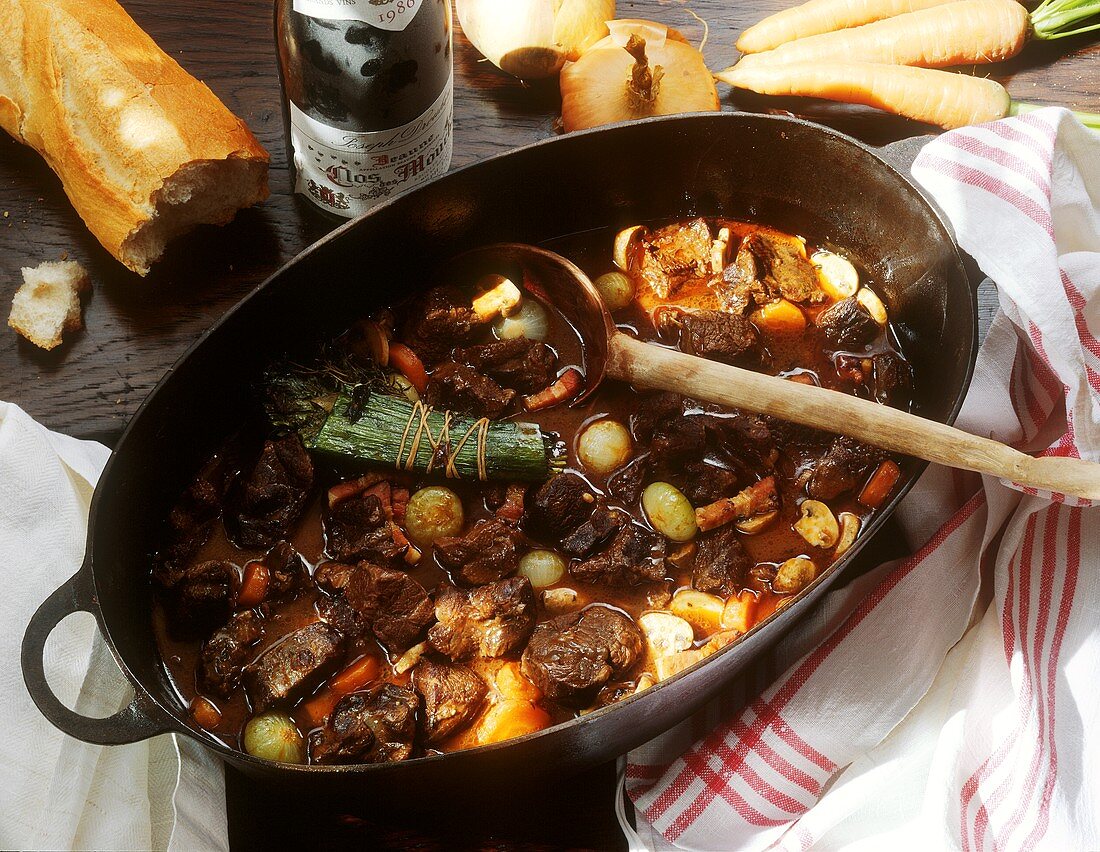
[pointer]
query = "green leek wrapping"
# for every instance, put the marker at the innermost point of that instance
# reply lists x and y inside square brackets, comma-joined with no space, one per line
[379,425]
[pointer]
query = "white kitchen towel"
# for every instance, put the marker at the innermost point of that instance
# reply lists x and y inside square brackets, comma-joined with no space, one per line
[57,792]
[950,700]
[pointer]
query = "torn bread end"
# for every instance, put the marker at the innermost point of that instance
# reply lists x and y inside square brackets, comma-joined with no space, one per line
[48,303]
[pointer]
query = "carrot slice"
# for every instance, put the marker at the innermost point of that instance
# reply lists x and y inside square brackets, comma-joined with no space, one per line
[318,708]
[563,389]
[254,586]
[312,713]
[205,713]
[355,676]
[511,718]
[880,485]
[410,366]
[780,317]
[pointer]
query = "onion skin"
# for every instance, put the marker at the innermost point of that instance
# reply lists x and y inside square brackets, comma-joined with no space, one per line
[532,39]
[595,88]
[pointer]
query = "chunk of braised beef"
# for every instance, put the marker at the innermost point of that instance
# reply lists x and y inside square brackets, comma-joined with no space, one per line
[847,324]
[452,695]
[704,483]
[843,467]
[521,364]
[717,335]
[286,570]
[291,668]
[678,440]
[745,440]
[721,562]
[674,255]
[332,577]
[490,621]
[486,553]
[201,596]
[395,606]
[464,390]
[376,725]
[571,656]
[634,556]
[191,520]
[786,270]
[274,493]
[225,654]
[359,527]
[627,482]
[892,377]
[593,532]
[652,409]
[339,613]
[560,505]
[437,322]
[739,287]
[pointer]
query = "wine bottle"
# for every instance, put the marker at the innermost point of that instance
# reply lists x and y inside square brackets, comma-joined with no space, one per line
[368,97]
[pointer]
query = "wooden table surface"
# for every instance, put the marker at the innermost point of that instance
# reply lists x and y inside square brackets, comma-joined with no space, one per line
[135,329]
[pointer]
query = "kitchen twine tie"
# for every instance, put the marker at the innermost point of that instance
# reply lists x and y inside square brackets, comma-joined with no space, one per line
[949,700]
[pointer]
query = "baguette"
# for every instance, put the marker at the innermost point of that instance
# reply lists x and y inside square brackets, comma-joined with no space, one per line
[144,151]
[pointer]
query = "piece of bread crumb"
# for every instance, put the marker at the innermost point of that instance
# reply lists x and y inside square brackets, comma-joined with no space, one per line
[48,303]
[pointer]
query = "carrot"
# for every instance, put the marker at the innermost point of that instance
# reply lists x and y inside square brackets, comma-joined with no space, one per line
[318,708]
[254,585]
[409,365]
[780,317]
[959,33]
[205,713]
[511,718]
[312,713]
[936,97]
[823,16]
[566,386]
[355,676]
[880,485]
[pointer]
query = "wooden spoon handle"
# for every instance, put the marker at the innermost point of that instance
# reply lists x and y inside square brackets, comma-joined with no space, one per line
[645,365]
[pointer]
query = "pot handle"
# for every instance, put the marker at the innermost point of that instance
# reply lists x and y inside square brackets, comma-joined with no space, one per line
[903,152]
[139,720]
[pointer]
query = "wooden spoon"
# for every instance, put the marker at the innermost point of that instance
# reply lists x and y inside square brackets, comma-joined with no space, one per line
[609,352]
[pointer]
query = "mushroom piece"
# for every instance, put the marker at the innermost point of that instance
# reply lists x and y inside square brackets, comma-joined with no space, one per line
[794,575]
[849,529]
[817,525]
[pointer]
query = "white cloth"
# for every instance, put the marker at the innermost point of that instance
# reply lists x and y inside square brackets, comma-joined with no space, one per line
[950,700]
[56,792]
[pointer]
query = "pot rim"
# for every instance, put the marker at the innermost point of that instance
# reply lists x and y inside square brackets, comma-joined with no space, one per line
[179,722]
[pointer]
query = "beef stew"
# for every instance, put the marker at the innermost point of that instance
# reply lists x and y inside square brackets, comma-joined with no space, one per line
[437,551]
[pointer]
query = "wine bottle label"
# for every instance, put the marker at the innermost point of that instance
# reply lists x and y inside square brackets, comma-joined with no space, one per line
[347,173]
[384,14]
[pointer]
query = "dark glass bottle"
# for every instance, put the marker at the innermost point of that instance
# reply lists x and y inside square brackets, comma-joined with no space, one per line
[368,97]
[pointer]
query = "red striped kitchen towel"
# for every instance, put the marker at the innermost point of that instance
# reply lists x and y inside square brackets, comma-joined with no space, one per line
[950,700]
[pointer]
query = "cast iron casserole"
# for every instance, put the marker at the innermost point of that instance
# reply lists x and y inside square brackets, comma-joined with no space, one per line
[792,174]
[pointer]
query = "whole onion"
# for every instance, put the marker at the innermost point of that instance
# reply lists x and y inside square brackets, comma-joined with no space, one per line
[532,39]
